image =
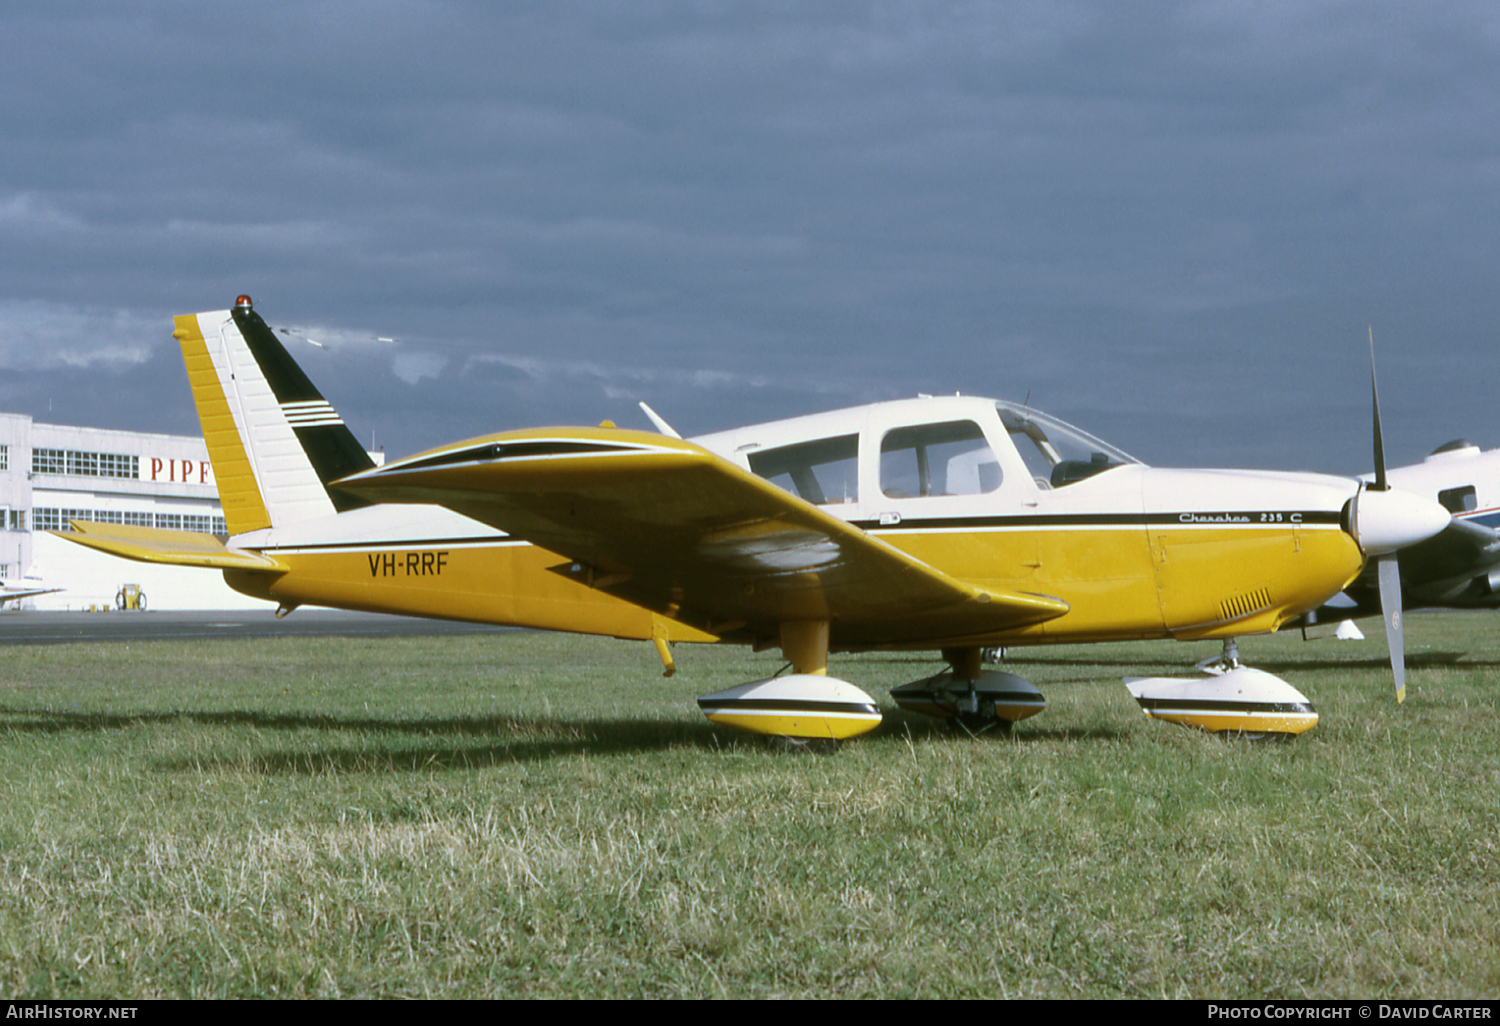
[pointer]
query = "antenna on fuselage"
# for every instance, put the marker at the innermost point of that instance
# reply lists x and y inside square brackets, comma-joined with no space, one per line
[661,425]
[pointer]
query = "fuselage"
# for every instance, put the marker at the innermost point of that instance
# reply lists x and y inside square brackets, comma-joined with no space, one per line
[986,492]
[1007,497]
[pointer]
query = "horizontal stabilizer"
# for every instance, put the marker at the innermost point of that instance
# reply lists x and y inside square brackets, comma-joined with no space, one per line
[171,548]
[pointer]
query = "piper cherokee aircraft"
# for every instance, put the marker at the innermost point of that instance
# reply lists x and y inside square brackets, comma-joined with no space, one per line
[952,523]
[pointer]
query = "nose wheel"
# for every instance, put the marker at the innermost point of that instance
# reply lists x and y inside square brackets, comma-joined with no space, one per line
[1230,699]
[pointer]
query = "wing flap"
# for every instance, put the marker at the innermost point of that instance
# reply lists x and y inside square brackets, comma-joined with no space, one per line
[673,527]
[172,548]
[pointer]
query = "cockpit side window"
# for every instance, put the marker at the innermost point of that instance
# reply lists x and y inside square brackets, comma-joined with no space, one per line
[823,472]
[952,458]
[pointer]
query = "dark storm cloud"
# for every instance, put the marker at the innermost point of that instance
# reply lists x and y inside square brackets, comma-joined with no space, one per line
[1171,223]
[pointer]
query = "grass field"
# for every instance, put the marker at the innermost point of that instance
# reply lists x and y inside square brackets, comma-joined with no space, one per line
[535,815]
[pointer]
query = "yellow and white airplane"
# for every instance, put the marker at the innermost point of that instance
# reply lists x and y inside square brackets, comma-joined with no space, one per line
[951,523]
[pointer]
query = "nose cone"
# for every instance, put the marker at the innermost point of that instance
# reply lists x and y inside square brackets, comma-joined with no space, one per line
[1385,521]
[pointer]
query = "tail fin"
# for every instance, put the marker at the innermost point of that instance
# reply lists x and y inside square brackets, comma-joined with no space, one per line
[274,441]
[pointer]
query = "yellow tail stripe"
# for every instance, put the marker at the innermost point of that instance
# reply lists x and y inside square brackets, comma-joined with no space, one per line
[239,494]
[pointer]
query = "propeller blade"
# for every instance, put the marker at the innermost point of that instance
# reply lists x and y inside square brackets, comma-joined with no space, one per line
[1380,483]
[1387,566]
[1390,606]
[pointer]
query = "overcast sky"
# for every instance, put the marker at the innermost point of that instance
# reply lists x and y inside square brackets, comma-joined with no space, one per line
[1170,223]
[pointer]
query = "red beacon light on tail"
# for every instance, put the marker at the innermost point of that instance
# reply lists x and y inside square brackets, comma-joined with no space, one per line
[243,303]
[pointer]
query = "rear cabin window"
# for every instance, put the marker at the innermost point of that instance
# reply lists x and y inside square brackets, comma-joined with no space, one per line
[824,472]
[952,458]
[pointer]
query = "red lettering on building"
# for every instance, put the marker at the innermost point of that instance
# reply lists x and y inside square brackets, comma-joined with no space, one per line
[188,467]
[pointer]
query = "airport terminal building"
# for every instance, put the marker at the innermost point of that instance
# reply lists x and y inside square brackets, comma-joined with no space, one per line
[51,474]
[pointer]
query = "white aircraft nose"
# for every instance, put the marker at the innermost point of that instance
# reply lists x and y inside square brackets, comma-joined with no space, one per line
[1393,519]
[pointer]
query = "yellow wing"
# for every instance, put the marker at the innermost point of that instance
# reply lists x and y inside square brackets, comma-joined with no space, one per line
[670,526]
[174,548]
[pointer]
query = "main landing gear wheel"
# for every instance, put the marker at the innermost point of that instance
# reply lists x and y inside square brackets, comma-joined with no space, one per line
[991,702]
[798,713]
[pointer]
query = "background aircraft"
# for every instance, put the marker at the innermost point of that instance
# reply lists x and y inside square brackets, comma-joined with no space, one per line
[948,523]
[1460,566]
[23,587]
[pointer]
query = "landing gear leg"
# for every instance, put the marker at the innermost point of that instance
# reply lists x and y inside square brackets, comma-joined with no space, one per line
[1229,659]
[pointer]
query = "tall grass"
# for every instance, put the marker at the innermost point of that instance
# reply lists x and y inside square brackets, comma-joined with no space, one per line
[534,815]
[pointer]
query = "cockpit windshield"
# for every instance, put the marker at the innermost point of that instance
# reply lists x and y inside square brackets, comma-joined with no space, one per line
[1056,453]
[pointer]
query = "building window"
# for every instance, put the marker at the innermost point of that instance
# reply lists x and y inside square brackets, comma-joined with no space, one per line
[113,464]
[4,457]
[49,461]
[85,464]
[50,519]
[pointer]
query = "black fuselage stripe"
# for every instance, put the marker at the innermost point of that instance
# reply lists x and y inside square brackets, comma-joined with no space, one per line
[1314,518]
[1058,521]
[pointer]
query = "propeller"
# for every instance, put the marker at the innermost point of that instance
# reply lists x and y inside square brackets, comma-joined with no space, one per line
[1387,567]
